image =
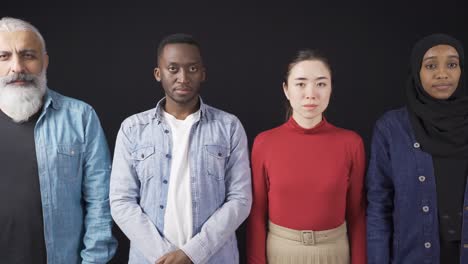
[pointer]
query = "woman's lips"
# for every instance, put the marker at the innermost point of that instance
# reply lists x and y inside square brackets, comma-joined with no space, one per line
[310,106]
[442,86]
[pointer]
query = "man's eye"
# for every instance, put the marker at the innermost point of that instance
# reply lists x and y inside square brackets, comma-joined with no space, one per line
[172,69]
[29,56]
[3,56]
[321,84]
[193,68]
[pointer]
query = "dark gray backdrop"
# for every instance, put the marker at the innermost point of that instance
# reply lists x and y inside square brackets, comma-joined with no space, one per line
[105,55]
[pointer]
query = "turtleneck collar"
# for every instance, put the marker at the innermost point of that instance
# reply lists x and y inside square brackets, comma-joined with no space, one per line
[292,124]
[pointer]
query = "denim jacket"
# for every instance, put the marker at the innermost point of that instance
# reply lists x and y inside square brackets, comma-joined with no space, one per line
[219,178]
[74,167]
[402,218]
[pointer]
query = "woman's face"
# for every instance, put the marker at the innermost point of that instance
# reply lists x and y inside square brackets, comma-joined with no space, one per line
[440,71]
[308,90]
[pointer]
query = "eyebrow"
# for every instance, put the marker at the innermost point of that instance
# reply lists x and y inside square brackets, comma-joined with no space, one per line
[450,56]
[316,79]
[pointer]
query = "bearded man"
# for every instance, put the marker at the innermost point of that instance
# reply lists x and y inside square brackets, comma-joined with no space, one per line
[54,160]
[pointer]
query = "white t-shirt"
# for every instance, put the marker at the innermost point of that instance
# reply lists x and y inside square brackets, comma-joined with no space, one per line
[178,218]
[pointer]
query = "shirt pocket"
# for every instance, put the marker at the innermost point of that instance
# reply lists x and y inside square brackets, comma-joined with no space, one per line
[144,160]
[69,162]
[216,158]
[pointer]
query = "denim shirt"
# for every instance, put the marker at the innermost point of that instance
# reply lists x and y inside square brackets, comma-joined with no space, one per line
[402,217]
[219,178]
[74,167]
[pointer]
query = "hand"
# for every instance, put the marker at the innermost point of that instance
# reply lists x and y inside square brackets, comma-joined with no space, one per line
[175,257]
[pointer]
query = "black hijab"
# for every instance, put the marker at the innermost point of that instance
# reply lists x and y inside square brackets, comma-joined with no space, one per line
[441,126]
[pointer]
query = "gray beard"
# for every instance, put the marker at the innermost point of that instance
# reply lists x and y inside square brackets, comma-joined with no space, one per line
[20,102]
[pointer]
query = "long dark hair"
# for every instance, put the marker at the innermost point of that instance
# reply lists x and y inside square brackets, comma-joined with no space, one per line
[303,55]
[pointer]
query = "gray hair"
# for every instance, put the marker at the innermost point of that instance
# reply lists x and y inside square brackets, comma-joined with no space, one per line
[9,24]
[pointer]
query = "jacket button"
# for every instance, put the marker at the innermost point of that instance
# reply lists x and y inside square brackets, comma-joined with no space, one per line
[422,178]
[165,181]
[168,156]
[416,145]
[161,206]
[425,209]
[166,131]
[428,245]
[142,156]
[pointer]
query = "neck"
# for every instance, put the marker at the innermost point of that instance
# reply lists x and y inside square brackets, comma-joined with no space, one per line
[307,123]
[181,111]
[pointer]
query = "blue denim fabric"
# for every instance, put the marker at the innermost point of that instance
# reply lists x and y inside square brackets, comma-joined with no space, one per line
[220,185]
[74,167]
[402,221]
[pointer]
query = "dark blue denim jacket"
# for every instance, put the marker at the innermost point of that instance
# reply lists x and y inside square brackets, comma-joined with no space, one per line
[402,222]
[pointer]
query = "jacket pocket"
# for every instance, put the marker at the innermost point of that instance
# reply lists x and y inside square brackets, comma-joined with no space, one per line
[144,161]
[69,162]
[216,158]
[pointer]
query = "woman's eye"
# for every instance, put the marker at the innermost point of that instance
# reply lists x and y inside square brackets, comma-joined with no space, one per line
[321,84]
[302,85]
[453,65]
[430,66]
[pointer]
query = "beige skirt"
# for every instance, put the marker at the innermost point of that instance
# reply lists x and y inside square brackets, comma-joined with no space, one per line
[289,246]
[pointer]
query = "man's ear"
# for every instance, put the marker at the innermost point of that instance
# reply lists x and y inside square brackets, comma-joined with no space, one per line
[157,74]
[45,63]
[203,74]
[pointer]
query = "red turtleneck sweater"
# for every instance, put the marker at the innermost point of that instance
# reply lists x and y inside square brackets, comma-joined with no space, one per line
[307,179]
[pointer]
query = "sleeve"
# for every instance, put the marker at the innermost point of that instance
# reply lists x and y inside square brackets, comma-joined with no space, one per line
[125,208]
[223,223]
[380,192]
[257,221]
[356,206]
[99,244]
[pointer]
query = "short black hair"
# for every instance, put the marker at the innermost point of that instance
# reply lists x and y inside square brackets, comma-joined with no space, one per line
[177,38]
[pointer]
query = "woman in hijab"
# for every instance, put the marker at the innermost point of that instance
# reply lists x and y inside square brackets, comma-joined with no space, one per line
[417,199]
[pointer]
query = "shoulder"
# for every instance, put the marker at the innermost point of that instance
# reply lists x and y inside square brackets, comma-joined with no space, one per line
[267,137]
[214,114]
[138,120]
[68,103]
[393,118]
[347,136]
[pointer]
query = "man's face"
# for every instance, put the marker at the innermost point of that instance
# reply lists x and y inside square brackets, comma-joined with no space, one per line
[21,53]
[180,71]
[23,66]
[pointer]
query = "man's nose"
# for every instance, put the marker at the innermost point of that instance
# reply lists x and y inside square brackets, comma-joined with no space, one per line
[18,65]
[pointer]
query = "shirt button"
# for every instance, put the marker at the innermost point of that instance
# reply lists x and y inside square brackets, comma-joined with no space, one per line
[219,154]
[165,182]
[416,145]
[142,156]
[161,206]
[72,152]
[168,156]
[422,178]
[427,245]
[166,131]
[425,209]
